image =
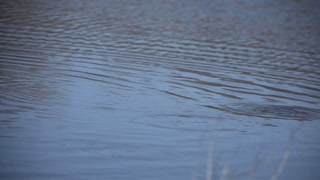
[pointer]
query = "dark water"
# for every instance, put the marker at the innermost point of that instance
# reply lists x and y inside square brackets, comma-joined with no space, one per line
[159,89]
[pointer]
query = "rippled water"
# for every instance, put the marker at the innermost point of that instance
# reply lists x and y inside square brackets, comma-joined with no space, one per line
[159,89]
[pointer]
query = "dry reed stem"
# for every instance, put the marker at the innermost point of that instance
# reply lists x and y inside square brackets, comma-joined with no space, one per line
[286,154]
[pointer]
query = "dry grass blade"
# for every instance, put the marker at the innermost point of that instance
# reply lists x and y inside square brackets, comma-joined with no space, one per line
[286,154]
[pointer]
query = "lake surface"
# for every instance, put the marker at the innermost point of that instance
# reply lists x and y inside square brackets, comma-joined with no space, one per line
[166,89]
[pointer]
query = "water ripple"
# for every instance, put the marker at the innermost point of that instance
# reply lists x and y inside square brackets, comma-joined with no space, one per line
[130,74]
[274,111]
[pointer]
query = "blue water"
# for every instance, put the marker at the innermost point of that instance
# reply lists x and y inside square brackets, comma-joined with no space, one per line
[159,90]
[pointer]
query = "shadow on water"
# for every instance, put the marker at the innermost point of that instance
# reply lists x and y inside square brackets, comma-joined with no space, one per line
[275,111]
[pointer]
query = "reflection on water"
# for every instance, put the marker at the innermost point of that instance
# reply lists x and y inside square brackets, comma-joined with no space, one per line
[141,89]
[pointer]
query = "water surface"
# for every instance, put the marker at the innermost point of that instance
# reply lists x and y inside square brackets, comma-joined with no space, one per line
[159,90]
